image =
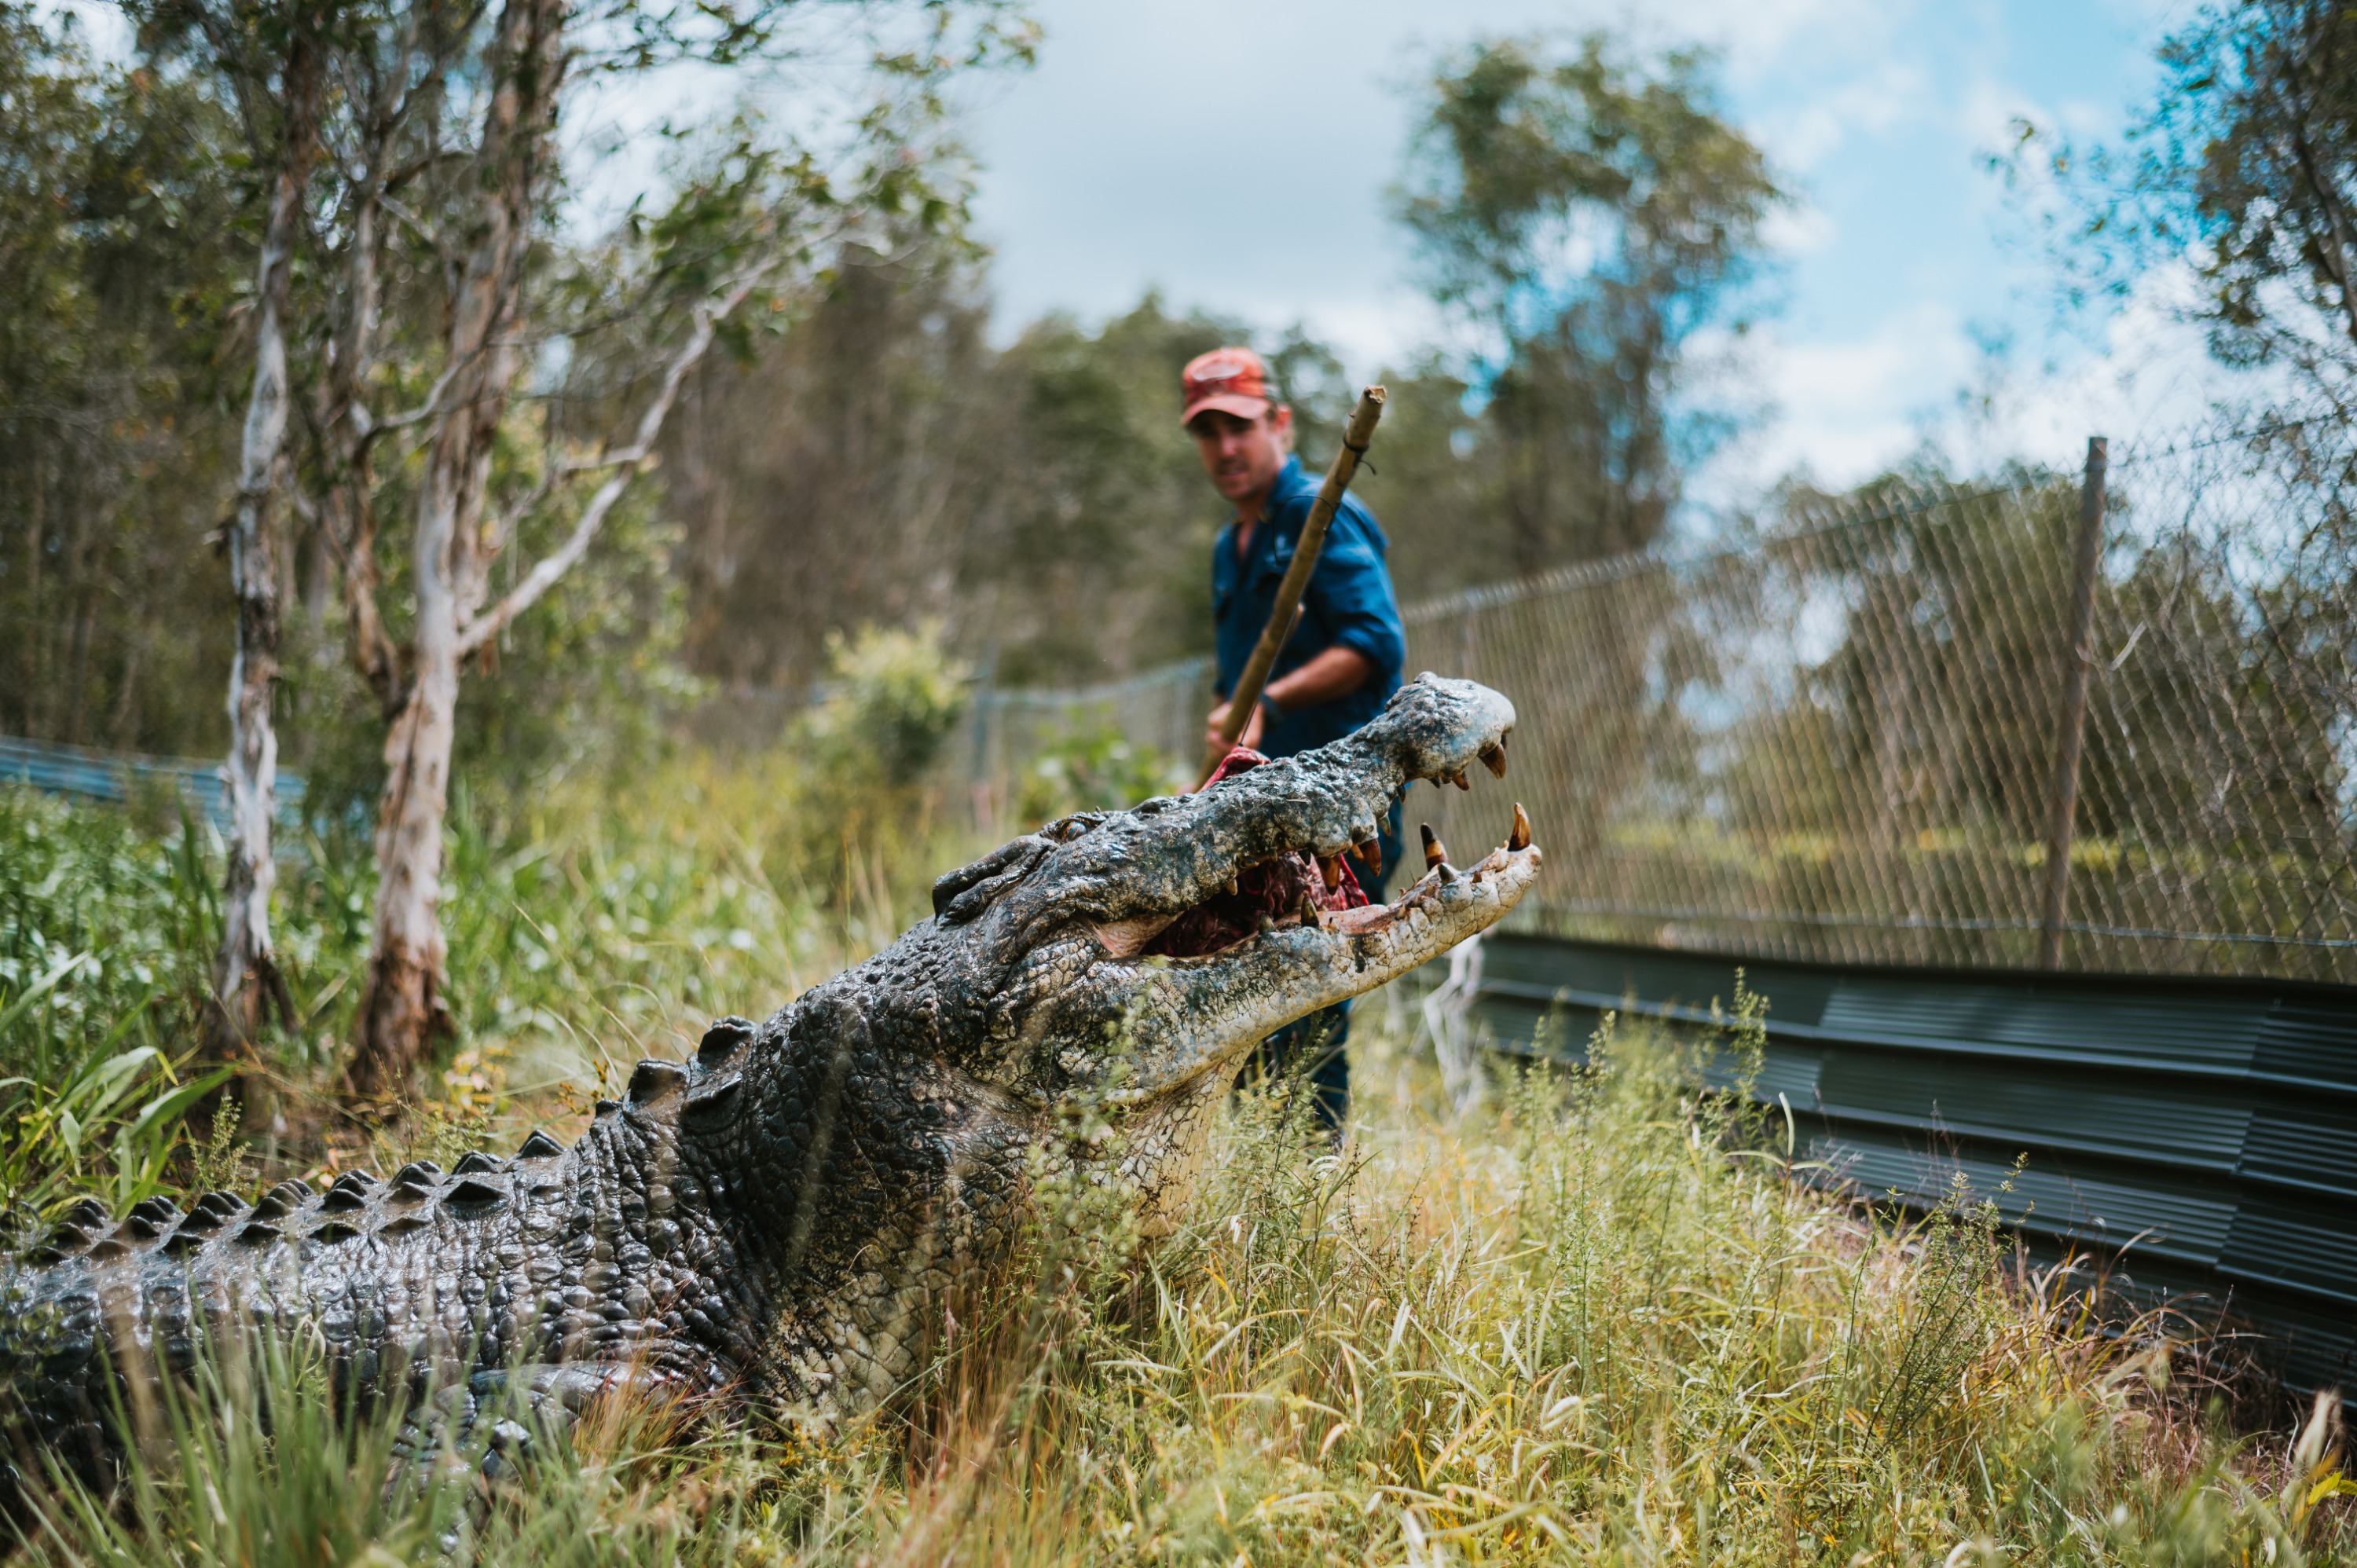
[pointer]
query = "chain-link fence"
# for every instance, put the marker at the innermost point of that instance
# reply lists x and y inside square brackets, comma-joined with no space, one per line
[1028,751]
[1837,737]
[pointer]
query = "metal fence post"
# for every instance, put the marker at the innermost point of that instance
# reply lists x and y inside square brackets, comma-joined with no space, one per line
[2078,671]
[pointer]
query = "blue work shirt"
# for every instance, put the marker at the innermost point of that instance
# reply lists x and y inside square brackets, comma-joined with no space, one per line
[1348,605]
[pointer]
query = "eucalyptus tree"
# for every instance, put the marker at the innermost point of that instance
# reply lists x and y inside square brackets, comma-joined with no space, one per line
[476,385]
[269,58]
[1584,218]
[542,376]
[2241,166]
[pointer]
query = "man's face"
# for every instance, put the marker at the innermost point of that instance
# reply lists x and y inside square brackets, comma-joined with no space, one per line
[1243,456]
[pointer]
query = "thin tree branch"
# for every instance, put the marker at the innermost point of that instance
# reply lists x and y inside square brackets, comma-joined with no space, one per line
[2336,241]
[626,462]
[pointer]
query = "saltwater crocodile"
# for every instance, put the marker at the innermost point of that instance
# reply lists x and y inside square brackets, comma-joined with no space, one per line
[780,1218]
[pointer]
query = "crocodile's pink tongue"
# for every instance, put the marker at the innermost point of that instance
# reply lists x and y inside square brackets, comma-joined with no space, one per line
[1271,891]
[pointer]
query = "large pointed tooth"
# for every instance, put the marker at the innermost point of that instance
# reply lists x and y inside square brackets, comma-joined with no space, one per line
[1369,851]
[1493,758]
[1459,779]
[1520,838]
[1435,857]
[1329,871]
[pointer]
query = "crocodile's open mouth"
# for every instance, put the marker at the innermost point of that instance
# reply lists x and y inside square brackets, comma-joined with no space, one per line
[1291,889]
[1297,888]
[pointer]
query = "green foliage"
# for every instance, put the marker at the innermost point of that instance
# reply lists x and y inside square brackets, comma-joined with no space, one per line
[880,462]
[1094,770]
[593,678]
[896,697]
[2242,162]
[1601,1327]
[103,937]
[121,243]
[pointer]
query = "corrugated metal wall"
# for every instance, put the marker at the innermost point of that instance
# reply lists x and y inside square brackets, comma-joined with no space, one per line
[2201,1132]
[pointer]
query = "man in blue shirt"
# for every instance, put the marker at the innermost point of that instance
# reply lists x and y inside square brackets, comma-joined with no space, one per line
[1342,663]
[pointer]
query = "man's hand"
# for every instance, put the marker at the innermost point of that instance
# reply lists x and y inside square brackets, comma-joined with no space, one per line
[1251,737]
[1336,672]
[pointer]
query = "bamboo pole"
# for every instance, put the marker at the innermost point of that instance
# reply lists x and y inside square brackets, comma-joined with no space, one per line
[1283,615]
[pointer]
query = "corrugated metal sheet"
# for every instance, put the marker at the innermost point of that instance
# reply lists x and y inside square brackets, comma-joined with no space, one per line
[2199,1135]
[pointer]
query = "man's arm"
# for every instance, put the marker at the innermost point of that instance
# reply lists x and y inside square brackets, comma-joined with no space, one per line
[1336,672]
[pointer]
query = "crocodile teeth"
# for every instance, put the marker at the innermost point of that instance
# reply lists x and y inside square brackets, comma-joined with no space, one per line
[1493,758]
[1520,839]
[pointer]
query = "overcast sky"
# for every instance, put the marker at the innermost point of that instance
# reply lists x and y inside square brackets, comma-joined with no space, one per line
[1235,154]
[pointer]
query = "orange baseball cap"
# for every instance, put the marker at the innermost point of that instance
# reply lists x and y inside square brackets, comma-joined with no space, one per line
[1232,381]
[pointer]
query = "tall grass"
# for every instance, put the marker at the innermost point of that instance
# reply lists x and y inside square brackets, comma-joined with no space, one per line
[1599,1326]
[587,928]
[1600,1322]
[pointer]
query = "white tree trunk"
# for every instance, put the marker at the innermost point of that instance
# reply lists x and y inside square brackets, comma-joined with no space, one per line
[455,547]
[402,1007]
[245,968]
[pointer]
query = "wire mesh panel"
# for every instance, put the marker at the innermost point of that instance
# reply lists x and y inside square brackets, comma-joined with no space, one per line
[1837,737]
[1157,719]
[1838,740]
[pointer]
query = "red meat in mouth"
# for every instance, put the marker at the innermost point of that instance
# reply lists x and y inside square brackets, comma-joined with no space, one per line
[1286,890]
